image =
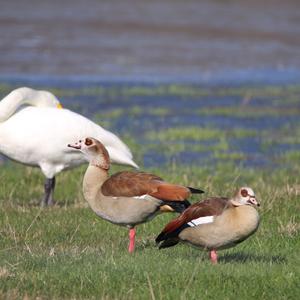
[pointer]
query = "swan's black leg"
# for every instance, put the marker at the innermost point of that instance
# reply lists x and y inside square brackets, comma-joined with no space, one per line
[49,191]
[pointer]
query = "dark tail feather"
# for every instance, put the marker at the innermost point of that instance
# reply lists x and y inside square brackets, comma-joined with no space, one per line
[168,243]
[178,206]
[160,238]
[195,191]
[170,238]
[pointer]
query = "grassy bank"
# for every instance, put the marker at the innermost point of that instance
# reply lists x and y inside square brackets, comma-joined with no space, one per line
[67,252]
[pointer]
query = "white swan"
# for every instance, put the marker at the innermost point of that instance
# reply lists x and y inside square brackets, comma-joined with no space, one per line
[38,135]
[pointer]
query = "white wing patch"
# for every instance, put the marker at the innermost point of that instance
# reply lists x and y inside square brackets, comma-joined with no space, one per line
[201,220]
[141,197]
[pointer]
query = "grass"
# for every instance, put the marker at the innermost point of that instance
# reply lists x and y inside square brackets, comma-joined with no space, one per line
[68,252]
[198,134]
[249,112]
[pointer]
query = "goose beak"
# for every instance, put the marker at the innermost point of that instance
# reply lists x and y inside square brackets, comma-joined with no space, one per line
[59,106]
[253,201]
[75,146]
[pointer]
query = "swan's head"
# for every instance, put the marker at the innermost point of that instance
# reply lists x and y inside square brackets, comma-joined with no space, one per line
[35,97]
[47,99]
[245,196]
[94,151]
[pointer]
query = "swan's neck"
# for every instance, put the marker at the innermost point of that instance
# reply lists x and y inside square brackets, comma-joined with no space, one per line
[10,104]
[24,95]
[92,182]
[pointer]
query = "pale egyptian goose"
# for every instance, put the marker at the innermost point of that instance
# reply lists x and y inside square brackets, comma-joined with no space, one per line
[127,198]
[215,223]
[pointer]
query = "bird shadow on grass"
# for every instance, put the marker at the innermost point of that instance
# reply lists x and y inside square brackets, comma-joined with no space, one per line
[246,257]
[238,257]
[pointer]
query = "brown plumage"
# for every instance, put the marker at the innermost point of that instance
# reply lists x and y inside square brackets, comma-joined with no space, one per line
[208,207]
[215,223]
[132,184]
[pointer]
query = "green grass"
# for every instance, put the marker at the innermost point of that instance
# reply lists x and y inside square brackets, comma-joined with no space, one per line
[67,252]
[286,94]
[248,112]
[198,134]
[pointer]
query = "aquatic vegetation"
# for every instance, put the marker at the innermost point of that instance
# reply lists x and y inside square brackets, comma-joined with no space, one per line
[266,91]
[181,120]
[229,155]
[160,111]
[135,111]
[199,134]
[165,89]
[287,134]
[290,157]
[245,111]
[186,133]
[108,114]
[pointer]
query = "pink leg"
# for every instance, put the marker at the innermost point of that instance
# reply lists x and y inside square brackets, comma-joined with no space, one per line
[213,256]
[131,240]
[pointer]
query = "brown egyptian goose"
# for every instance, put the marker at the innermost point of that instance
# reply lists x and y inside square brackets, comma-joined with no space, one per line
[215,223]
[127,198]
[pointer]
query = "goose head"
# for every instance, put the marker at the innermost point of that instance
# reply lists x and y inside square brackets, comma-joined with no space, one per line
[94,151]
[245,196]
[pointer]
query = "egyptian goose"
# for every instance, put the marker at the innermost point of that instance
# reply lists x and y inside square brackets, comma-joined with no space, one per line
[37,135]
[215,223]
[127,198]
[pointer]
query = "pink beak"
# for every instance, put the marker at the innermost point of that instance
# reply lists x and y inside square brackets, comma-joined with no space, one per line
[253,201]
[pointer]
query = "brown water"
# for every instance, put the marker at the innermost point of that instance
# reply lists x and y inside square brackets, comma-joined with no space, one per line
[171,39]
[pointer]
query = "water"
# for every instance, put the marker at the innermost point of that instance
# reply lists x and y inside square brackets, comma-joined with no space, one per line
[166,40]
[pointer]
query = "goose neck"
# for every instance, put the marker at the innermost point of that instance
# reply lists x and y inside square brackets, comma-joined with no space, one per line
[92,182]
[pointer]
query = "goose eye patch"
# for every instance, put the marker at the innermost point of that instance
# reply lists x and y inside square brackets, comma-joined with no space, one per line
[88,142]
[244,193]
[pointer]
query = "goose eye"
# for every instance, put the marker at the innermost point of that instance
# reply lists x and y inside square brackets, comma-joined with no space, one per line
[244,193]
[88,142]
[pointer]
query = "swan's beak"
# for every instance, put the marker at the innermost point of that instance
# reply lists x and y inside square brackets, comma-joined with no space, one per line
[75,146]
[59,106]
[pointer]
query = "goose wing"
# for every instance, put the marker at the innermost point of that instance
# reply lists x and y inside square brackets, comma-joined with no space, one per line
[133,184]
[207,208]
